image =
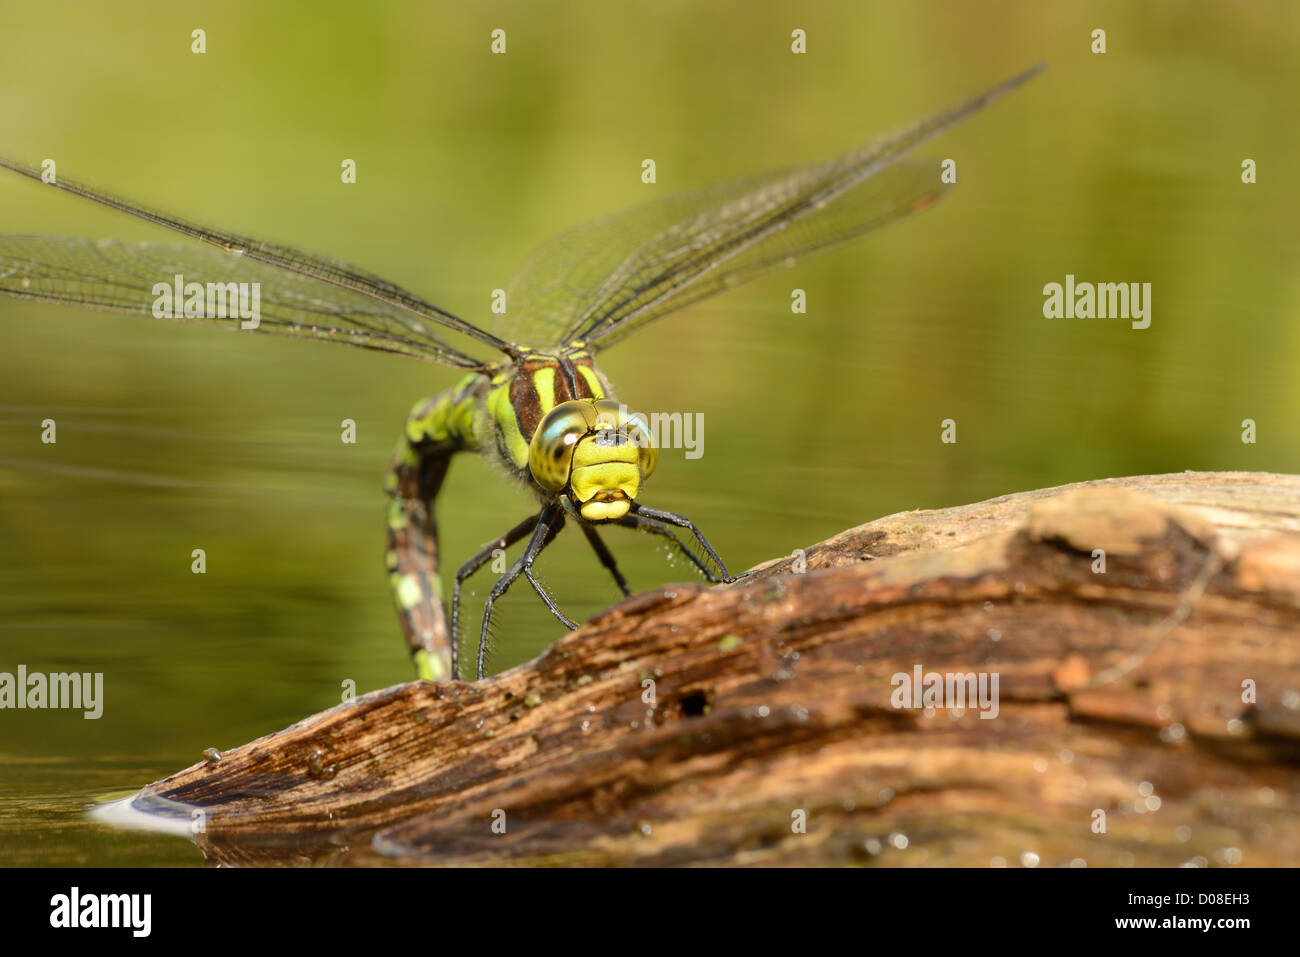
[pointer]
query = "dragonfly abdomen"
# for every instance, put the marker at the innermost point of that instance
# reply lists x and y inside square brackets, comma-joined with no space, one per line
[436,429]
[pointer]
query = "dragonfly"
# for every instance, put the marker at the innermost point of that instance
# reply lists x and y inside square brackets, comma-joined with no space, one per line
[539,408]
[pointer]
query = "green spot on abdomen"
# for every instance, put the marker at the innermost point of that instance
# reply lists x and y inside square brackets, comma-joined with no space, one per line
[428,666]
[408,591]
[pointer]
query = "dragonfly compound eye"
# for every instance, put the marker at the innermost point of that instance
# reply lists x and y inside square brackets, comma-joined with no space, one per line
[550,453]
[638,433]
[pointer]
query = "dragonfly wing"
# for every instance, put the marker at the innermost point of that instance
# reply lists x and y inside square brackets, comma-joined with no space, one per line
[568,279]
[547,297]
[404,308]
[603,281]
[120,277]
[894,193]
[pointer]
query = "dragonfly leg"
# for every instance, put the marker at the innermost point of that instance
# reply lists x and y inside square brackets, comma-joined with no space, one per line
[605,556]
[681,521]
[659,528]
[476,562]
[549,523]
[537,586]
[560,616]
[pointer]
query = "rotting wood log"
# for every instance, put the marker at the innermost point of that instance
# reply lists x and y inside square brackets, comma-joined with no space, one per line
[1146,714]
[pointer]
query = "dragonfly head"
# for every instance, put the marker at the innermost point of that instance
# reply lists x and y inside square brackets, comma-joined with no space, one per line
[597,453]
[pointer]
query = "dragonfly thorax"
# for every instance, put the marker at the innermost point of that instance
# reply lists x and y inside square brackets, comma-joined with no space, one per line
[522,393]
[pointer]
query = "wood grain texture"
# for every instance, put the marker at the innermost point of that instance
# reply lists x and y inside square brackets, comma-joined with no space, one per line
[1163,694]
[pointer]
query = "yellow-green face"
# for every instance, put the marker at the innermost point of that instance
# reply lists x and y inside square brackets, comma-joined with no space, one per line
[594,452]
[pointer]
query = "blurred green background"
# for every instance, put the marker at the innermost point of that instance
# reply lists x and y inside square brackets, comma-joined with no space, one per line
[1115,167]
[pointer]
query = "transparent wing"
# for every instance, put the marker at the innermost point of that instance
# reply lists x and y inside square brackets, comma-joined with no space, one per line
[556,288]
[119,277]
[601,282]
[77,272]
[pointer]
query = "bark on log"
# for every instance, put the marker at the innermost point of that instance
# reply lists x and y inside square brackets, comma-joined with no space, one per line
[1159,698]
